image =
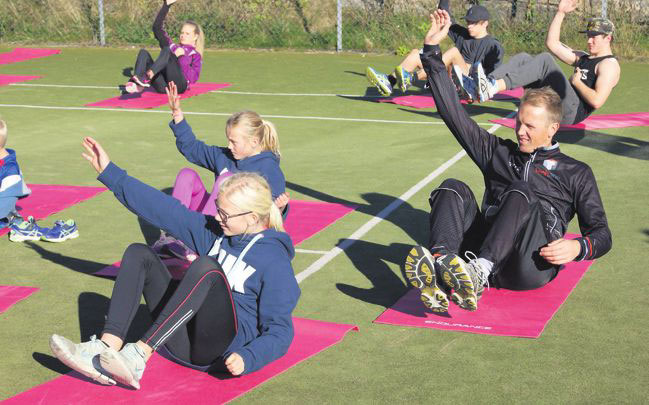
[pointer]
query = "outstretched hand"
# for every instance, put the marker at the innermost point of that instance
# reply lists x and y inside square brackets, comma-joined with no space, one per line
[440,22]
[174,102]
[96,155]
[282,200]
[566,6]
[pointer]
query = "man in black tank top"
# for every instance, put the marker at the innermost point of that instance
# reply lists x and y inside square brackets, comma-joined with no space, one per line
[595,75]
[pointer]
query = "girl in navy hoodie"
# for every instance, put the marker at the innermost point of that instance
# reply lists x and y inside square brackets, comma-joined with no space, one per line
[231,310]
[179,63]
[253,146]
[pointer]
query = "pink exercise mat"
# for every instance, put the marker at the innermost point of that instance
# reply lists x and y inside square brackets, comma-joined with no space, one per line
[21,54]
[166,382]
[11,294]
[426,101]
[305,219]
[150,98]
[8,79]
[500,312]
[603,121]
[47,199]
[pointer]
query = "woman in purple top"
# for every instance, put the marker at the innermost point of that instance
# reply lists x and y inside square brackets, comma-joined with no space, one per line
[178,63]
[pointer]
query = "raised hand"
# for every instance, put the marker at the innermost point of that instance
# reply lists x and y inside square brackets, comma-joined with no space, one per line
[566,6]
[174,102]
[440,22]
[96,155]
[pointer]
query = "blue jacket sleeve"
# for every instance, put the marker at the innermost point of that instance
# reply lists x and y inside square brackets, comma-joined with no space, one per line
[277,299]
[209,157]
[161,210]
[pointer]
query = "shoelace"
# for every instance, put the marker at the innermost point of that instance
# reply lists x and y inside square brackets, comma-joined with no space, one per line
[480,272]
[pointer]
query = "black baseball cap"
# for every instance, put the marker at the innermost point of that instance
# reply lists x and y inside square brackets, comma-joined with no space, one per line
[477,13]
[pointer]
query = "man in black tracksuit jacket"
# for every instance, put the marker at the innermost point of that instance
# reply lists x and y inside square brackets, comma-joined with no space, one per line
[532,192]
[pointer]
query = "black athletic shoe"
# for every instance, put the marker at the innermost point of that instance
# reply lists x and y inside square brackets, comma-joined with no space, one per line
[420,271]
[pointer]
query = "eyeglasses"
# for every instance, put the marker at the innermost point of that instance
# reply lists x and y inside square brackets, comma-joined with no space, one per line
[225,216]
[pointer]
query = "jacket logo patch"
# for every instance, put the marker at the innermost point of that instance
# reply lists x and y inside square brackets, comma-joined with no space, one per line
[550,164]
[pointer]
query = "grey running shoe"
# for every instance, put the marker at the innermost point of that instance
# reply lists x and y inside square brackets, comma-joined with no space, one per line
[420,271]
[466,279]
[82,357]
[126,366]
[380,80]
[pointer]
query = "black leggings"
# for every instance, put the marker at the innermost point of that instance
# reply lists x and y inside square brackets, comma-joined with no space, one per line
[194,318]
[165,69]
[509,234]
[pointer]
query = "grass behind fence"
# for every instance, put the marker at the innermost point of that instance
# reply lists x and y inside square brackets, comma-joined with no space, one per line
[394,26]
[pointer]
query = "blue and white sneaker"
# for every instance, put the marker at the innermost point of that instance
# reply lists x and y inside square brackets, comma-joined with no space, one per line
[62,231]
[26,230]
[380,80]
[486,88]
[464,85]
[12,219]
[404,78]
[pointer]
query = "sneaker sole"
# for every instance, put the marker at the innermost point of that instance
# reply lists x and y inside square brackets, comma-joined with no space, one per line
[72,235]
[16,237]
[67,358]
[400,80]
[454,275]
[420,271]
[374,80]
[482,83]
[461,91]
[113,363]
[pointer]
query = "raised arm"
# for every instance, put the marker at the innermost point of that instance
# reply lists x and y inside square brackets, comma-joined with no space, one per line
[210,157]
[553,42]
[158,27]
[477,142]
[608,74]
[154,206]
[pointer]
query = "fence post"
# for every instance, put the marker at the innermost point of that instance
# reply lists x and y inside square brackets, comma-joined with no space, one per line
[339,23]
[102,33]
[604,8]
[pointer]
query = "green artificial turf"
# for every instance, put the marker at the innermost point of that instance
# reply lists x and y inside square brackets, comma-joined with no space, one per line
[594,350]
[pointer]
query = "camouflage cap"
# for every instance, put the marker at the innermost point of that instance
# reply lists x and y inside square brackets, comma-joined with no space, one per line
[598,26]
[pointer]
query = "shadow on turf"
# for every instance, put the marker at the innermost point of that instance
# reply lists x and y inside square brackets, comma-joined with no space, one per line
[92,309]
[614,144]
[72,263]
[369,258]
[412,220]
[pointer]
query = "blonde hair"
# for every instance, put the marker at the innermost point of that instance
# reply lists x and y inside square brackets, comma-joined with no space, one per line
[3,134]
[251,192]
[547,98]
[200,40]
[257,128]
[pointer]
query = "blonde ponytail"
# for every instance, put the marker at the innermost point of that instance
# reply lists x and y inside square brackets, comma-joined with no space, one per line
[255,127]
[251,192]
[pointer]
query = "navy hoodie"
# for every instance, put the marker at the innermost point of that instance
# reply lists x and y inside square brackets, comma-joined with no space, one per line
[14,187]
[263,284]
[219,160]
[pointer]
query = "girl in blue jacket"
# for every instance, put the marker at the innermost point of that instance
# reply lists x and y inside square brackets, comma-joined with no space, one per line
[231,310]
[253,146]
[179,63]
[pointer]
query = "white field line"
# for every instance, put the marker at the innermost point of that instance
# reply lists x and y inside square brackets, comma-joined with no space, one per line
[290,117]
[365,228]
[247,93]
[313,252]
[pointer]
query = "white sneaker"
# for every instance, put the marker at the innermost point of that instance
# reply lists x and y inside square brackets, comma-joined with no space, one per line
[486,87]
[82,357]
[126,366]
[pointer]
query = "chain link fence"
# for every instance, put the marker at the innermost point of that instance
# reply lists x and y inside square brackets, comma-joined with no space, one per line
[367,25]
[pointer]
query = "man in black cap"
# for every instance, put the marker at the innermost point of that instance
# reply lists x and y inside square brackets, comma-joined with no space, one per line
[473,44]
[595,74]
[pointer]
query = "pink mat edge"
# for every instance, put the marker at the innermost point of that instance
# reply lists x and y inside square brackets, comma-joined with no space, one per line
[510,122]
[111,102]
[586,263]
[26,292]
